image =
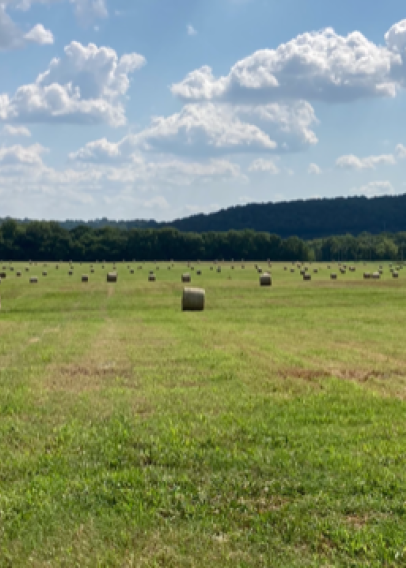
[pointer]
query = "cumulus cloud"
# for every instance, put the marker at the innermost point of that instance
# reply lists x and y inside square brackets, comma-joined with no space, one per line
[19,155]
[11,36]
[314,169]
[86,86]
[209,129]
[10,130]
[38,34]
[320,66]
[262,165]
[374,189]
[351,162]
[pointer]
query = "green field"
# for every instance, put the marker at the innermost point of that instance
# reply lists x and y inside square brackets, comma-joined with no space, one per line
[267,431]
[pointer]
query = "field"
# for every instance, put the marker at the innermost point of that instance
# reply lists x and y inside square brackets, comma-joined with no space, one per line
[267,431]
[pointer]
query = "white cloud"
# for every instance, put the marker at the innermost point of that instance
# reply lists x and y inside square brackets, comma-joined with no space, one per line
[351,162]
[314,169]
[158,202]
[85,86]
[87,10]
[314,66]
[191,30]
[10,130]
[38,34]
[401,151]
[19,155]
[262,165]
[374,188]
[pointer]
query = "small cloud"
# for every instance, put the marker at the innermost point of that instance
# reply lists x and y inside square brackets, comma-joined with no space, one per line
[401,151]
[314,170]
[158,202]
[38,34]
[9,130]
[262,165]
[191,30]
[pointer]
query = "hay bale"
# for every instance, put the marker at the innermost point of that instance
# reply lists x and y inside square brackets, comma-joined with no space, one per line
[132,271]
[193,299]
[92,270]
[112,277]
[395,274]
[151,278]
[27,269]
[259,270]
[292,269]
[367,275]
[265,279]
[376,275]
[18,274]
[211,268]
[85,278]
[70,272]
[45,274]
[33,280]
[3,275]
[307,277]
[219,269]
[333,276]
[315,270]
[199,273]
[186,278]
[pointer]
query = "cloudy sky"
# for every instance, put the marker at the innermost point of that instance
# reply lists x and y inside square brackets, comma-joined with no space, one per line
[164,108]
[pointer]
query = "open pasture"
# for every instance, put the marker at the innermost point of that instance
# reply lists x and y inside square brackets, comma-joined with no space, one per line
[268,430]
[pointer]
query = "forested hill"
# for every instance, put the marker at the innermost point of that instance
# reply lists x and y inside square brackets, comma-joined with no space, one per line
[310,219]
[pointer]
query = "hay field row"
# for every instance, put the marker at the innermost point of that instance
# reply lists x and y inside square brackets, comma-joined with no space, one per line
[267,430]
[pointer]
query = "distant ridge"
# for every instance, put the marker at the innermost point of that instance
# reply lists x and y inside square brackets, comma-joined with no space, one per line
[307,219]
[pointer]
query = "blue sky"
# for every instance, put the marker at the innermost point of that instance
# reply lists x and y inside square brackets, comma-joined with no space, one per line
[158,109]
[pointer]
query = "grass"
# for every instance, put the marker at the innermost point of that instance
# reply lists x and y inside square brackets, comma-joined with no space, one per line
[267,431]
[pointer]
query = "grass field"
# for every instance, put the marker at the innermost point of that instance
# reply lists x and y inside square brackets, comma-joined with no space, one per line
[267,431]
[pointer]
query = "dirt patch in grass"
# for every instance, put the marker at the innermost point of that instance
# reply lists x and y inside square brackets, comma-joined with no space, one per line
[350,374]
[80,378]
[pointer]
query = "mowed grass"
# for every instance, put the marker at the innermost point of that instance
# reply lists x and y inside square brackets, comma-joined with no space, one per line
[267,431]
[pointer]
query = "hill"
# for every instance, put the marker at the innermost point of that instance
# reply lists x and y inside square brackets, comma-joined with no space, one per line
[310,219]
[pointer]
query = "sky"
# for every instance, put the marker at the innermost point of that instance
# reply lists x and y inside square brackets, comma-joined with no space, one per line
[160,109]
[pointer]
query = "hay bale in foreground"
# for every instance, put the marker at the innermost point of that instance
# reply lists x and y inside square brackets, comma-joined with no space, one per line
[265,279]
[186,278]
[85,278]
[376,275]
[112,277]
[193,299]
[395,275]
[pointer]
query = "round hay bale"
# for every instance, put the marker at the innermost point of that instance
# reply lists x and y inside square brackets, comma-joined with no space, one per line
[186,278]
[56,267]
[376,275]
[18,274]
[45,274]
[302,272]
[92,270]
[395,274]
[211,268]
[367,275]
[292,270]
[259,270]
[199,273]
[112,277]
[27,269]
[3,275]
[265,279]
[85,278]
[193,299]
[333,276]
[151,278]
[33,280]
[132,271]
[307,277]
[315,270]
[11,269]
[70,272]
[219,269]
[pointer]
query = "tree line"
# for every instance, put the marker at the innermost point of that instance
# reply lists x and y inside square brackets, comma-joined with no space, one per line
[42,240]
